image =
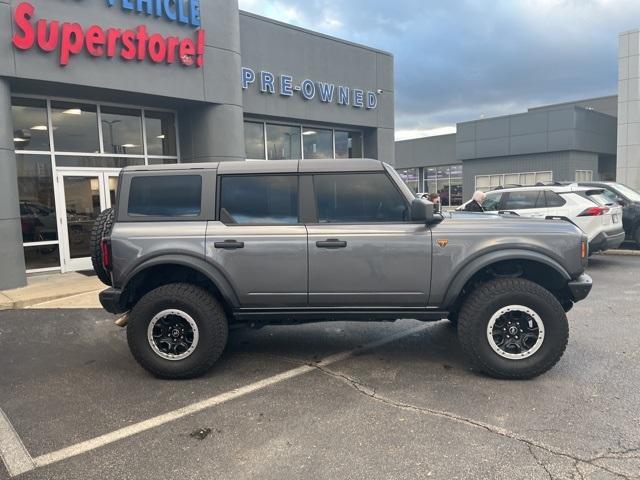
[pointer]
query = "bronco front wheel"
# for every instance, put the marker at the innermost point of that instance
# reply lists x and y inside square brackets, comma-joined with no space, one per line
[513,328]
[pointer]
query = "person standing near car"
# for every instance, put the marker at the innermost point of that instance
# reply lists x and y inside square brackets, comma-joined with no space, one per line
[475,205]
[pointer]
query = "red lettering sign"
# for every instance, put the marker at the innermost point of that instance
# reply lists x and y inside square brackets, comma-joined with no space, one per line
[72,39]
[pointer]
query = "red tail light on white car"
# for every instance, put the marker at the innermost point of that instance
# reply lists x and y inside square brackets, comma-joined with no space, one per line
[594,212]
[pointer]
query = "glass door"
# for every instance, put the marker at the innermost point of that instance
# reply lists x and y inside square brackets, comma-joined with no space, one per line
[84,195]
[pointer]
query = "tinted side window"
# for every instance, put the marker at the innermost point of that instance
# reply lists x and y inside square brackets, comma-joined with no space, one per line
[259,199]
[358,198]
[554,200]
[165,196]
[492,202]
[524,200]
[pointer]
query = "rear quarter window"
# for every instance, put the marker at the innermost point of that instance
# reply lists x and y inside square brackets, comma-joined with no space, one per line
[165,196]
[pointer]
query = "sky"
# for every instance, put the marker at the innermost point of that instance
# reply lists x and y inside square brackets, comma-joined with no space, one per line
[459,60]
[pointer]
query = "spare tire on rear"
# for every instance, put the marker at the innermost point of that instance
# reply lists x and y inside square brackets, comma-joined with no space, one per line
[101,228]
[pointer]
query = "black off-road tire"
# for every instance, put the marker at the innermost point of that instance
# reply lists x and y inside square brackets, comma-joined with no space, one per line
[101,228]
[208,315]
[494,295]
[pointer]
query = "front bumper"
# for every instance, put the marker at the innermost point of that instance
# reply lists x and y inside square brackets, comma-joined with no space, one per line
[606,241]
[580,287]
[112,301]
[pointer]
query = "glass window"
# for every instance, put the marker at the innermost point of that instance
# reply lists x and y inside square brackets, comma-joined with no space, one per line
[31,128]
[524,200]
[584,175]
[121,131]
[348,144]
[75,127]
[97,162]
[361,197]
[554,200]
[492,202]
[161,133]
[259,199]
[431,177]
[512,180]
[82,205]
[254,140]
[544,177]
[166,196]
[42,256]
[456,185]
[283,142]
[37,201]
[483,183]
[317,143]
[443,185]
[410,176]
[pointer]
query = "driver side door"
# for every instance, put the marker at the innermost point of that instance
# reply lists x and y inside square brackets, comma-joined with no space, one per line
[363,249]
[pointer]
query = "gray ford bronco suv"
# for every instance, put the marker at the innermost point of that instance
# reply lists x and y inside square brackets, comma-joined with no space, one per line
[191,250]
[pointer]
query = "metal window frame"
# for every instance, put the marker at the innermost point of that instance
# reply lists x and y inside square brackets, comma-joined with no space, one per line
[502,175]
[52,153]
[302,127]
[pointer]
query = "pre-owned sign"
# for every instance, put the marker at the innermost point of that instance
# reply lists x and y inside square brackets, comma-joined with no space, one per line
[71,39]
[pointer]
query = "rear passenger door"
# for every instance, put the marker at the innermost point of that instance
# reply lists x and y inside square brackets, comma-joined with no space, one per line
[526,203]
[363,249]
[258,240]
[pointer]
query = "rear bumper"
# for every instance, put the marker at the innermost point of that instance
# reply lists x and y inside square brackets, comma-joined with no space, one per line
[112,301]
[580,287]
[606,241]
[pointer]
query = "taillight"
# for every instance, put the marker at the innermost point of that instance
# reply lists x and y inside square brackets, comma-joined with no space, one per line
[594,211]
[105,249]
[584,250]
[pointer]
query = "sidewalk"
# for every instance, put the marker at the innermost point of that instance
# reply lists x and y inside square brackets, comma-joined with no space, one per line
[47,288]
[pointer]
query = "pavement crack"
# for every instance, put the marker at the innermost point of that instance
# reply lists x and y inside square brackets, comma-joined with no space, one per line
[539,462]
[494,429]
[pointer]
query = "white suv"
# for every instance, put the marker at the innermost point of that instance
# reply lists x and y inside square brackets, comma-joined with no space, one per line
[586,207]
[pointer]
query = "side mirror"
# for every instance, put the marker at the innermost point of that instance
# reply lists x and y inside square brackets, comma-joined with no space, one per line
[621,201]
[422,211]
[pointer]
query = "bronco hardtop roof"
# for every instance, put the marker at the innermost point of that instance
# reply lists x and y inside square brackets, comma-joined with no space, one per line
[271,166]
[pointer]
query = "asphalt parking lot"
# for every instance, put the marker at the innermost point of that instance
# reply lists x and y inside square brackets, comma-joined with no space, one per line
[326,401]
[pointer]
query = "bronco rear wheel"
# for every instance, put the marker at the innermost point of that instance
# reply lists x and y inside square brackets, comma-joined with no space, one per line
[177,331]
[513,328]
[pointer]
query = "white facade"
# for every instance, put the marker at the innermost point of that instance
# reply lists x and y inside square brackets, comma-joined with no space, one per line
[628,156]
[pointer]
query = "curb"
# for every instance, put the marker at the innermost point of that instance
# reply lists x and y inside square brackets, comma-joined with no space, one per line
[10,304]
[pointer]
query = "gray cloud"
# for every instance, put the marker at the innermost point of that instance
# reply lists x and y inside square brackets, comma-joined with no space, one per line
[459,59]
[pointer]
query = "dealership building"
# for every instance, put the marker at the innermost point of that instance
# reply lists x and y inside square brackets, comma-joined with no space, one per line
[87,88]
[591,139]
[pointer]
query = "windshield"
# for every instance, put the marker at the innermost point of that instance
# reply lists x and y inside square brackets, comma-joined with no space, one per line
[491,202]
[628,192]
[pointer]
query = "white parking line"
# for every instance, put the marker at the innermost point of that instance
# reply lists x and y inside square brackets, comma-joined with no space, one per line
[13,453]
[108,438]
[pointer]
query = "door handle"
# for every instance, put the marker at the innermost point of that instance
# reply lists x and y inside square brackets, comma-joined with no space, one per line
[331,243]
[229,245]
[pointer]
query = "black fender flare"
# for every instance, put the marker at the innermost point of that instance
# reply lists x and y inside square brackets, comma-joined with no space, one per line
[461,278]
[210,271]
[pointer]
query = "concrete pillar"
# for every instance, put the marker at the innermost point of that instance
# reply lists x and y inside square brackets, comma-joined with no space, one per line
[379,144]
[212,133]
[628,155]
[12,268]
